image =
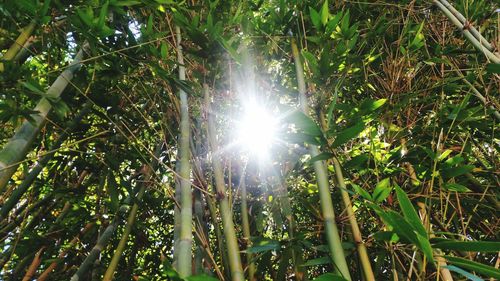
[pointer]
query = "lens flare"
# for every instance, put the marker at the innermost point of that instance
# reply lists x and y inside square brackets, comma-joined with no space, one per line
[256,130]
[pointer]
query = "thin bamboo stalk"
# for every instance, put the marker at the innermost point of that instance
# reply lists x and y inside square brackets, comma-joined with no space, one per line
[246,228]
[356,233]
[467,33]
[225,210]
[37,260]
[472,29]
[72,243]
[18,44]
[148,170]
[333,237]
[17,147]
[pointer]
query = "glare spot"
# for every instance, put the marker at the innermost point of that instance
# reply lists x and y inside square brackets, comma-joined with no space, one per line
[256,130]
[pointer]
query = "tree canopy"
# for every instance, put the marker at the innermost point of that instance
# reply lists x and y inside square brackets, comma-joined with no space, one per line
[249,140]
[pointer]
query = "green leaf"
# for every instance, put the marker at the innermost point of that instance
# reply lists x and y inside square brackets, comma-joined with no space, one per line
[493,68]
[34,87]
[102,15]
[382,190]
[305,123]
[444,154]
[264,246]
[201,277]
[409,212]
[321,156]
[470,246]
[164,50]
[329,277]
[370,105]
[456,187]
[45,8]
[475,266]
[457,171]
[469,275]
[86,15]
[318,261]
[312,62]
[348,134]
[123,3]
[315,18]
[362,192]
[325,13]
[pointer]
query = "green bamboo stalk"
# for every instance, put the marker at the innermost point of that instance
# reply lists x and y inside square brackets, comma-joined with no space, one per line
[102,242]
[332,233]
[184,258]
[472,29]
[225,210]
[356,233]
[467,33]
[148,170]
[286,207]
[18,44]
[35,171]
[246,228]
[17,147]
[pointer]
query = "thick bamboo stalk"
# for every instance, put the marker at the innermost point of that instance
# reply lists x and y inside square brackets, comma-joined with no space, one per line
[225,210]
[184,258]
[18,146]
[32,175]
[332,234]
[18,44]
[467,33]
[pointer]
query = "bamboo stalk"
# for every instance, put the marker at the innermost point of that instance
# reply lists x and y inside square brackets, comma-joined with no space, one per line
[467,33]
[17,147]
[72,243]
[225,210]
[246,228]
[37,260]
[148,171]
[356,233]
[18,44]
[35,171]
[464,21]
[184,258]
[333,237]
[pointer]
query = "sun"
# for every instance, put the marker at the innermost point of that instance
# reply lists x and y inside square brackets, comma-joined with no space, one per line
[256,131]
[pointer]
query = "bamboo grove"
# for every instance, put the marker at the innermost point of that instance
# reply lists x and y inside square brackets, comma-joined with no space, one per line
[125,153]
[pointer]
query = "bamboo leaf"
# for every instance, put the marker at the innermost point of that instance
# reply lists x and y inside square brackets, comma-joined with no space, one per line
[321,156]
[409,212]
[348,134]
[470,246]
[318,261]
[382,190]
[493,68]
[325,13]
[329,277]
[463,272]
[305,123]
[475,266]
[315,17]
[201,277]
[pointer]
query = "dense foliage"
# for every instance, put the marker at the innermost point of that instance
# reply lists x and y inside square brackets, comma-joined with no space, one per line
[120,156]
